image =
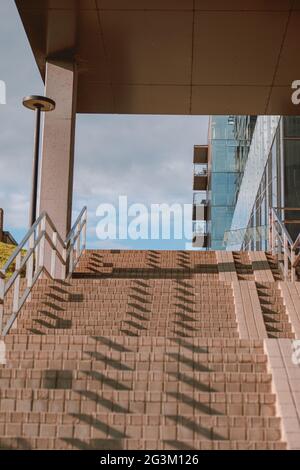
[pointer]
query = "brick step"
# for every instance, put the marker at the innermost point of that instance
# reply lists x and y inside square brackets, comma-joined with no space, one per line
[274,310]
[115,339]
[177,428]
[131,319]
[171,302]
[163,285]
[174,274]
[115,315]
[98,382]
[162,315]
[100,365]
[121,419]
[127,292]
[166,356]
[138,444]
[278,325]
[124,305]
[114,305]
[130,330]
[281,335]
[273,322]
[142,402]
[276,301]
[33,343]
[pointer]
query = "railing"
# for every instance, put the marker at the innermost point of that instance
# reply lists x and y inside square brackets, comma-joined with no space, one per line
[200,198]
[42,251]
[282,245]
[200,170]
[245,237]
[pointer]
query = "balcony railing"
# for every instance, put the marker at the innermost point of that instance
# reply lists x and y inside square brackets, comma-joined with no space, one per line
[200,177]
[200,199]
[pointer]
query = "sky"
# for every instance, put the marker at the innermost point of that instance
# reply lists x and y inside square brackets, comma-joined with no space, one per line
[148,159]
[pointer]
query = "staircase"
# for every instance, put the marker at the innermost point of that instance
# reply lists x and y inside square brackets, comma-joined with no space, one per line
[275,269]
[140,350]
[274,311]
[243,266]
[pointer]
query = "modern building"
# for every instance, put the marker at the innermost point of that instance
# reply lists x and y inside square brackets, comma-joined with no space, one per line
[218,176]
[270,180]
[252,165]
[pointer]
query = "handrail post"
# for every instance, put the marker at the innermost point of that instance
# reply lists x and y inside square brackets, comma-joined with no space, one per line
[2,290]
[270,231]
[71,258]
[293,269]
[42,244]
[84,230]
[16,294]
[29,267]
[78,241]
[286,259]
[64,264]
[53,255]
[273,241]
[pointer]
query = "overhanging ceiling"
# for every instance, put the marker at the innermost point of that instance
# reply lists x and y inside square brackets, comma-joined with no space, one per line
[172,56]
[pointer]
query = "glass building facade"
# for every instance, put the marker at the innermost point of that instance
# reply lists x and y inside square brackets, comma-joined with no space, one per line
[279,186]
[229,141]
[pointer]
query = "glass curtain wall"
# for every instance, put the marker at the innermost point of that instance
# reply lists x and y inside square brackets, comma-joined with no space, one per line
[229,145]
[280,184]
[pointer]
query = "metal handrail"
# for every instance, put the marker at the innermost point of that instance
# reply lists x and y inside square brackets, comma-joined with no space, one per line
[20,247]
[79,218]
[297,242]
[280,241]
[41,236]
[282,226]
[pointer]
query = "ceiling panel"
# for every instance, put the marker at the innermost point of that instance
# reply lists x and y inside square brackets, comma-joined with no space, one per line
[296,5]
[90,53]
[57,4]
[145,4]
[229,99]
[289,63]
[280,99]
[243,5]
[95,98]
[146,47]
[152,99]
[225,50]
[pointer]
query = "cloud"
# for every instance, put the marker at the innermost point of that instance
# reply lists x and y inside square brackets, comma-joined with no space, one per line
[146,158]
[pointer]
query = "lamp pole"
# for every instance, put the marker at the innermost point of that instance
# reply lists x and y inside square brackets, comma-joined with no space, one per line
[38,104]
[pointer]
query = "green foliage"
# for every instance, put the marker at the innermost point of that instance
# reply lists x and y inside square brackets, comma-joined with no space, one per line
[5,252]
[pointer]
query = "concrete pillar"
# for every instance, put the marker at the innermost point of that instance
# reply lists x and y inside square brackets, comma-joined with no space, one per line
[56,182]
